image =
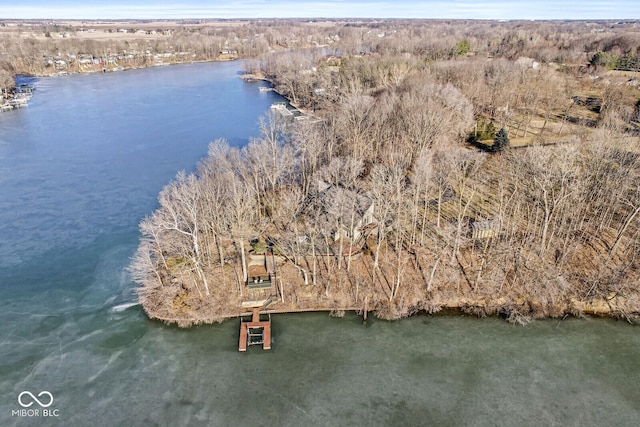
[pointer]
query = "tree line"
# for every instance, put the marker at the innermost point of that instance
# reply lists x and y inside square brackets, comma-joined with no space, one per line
[30,47]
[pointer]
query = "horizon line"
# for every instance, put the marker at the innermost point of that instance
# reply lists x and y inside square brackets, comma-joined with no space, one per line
[321,18]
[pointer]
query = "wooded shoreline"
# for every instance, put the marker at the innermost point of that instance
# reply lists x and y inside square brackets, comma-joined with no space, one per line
[519,310]
[577,309]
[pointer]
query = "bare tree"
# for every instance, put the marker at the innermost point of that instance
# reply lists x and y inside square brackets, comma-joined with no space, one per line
[180,213]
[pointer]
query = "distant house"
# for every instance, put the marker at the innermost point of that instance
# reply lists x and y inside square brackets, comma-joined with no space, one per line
[348,212]
[85,59]
[484,229]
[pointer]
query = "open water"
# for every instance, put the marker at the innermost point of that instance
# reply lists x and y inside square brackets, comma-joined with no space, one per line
[82,165]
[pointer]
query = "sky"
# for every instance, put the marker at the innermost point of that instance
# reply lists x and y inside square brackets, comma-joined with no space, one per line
[425,9]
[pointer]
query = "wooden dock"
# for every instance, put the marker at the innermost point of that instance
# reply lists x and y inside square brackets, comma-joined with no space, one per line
[255,332]
[281,108]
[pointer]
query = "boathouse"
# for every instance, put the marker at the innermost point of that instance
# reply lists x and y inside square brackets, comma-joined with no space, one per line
[261,285]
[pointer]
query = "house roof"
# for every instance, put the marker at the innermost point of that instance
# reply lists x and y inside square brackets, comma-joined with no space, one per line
[333,202]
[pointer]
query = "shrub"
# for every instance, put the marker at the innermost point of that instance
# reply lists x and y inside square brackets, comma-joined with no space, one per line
[260,247]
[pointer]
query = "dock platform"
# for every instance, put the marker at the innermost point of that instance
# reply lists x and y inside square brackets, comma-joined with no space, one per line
[281,108]
[255,332]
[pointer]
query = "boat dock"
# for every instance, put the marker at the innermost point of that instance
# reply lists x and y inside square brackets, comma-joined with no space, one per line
[281,108]
[255,332]
[260,289]
[19,99]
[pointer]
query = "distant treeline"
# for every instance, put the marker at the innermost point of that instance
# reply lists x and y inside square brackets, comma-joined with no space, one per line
[33,47]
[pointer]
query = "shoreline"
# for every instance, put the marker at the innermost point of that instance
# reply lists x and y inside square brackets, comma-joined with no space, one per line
[17,101]
[119,69]
[444,312]
[499,308]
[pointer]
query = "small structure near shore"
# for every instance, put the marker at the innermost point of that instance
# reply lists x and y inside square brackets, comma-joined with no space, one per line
[281,108]
[261,278]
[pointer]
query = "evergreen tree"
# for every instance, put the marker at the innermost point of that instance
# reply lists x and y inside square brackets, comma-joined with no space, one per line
[501,141]
[462,48]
